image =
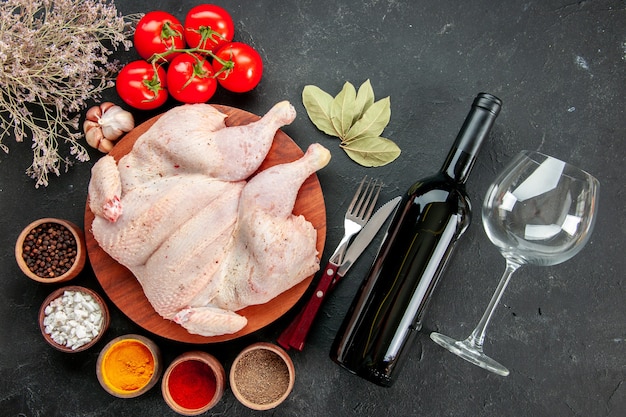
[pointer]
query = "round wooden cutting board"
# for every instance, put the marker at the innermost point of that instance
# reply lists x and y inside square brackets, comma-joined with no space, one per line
[125,291]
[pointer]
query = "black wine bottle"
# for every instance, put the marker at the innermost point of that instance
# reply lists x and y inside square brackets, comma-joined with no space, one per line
[388,309]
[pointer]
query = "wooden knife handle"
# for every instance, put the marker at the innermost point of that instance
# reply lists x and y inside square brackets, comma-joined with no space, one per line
[295,334]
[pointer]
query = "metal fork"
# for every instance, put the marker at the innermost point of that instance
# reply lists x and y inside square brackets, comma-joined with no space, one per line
[358,213]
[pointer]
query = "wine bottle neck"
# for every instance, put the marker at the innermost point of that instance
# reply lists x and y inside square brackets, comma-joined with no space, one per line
[475,129]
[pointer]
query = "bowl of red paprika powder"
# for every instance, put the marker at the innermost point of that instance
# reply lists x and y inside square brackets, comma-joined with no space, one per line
[51,250]
[193,383]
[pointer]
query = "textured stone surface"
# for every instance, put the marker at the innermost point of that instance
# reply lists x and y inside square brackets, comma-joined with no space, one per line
[560,69]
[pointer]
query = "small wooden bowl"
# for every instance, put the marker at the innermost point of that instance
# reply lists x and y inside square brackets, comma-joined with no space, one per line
[116,352]
[209,379]
[58,293]
[262,376]
[81,251]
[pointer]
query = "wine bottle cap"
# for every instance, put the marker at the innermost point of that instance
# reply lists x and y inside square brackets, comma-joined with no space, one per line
[488,102]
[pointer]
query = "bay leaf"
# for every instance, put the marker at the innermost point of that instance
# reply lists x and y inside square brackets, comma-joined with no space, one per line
[317,103]
[364,99]
[373,151]
[372,123]
[356,118]
[342,109]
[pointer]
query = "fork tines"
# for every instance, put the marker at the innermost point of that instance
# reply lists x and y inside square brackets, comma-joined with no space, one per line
[364,211]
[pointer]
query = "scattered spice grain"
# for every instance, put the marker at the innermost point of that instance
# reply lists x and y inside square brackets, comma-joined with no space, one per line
[262,376]
[50,250]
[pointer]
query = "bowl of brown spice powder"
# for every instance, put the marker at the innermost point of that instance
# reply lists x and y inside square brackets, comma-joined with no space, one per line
[262,376]
[51,250]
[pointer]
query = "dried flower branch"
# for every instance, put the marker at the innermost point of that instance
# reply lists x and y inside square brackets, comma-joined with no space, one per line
[54,57]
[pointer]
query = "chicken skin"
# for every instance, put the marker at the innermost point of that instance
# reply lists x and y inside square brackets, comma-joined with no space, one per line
[202,235]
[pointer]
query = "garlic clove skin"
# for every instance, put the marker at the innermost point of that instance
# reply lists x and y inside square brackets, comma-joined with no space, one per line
[96,112]
[106,145]
[106,123]
[116,121]
[95,138]
[93,133]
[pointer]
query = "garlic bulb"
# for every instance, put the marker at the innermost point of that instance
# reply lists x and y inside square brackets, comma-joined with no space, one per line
[106,123]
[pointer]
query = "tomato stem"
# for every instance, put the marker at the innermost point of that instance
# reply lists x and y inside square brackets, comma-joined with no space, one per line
[227,66]
[168,32]
[198,70]
[153,84]
[207,33]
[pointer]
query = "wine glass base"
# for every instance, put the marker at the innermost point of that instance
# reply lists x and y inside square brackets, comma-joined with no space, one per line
[469,352]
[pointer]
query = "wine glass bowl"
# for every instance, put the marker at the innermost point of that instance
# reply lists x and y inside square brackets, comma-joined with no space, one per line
[538,211]
[542,211]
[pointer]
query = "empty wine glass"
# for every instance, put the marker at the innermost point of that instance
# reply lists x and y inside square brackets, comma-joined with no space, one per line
[539,211]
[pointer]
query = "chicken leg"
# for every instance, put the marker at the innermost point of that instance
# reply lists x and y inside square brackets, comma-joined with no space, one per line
[265,225]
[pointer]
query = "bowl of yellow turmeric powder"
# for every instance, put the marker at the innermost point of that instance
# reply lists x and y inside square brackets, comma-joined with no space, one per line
[128,366]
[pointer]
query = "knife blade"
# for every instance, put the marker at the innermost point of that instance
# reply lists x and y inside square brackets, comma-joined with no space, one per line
[365,237]
[295,334]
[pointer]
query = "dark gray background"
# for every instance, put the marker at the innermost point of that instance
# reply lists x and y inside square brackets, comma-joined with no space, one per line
[560,68]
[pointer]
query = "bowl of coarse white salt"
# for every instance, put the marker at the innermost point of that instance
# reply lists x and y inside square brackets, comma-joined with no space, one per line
[73,318]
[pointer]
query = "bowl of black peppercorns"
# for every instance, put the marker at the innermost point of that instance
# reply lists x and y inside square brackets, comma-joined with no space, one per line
[51,250]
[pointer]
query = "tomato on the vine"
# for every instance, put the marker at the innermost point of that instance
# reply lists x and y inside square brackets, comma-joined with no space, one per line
[140,86]
[157,32]
[190,78]
[238,67]
[208,27]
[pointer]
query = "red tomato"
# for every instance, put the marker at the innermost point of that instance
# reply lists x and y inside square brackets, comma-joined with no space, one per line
[208,26]
[190,79]
[238,66]
[140,87]
[158,32]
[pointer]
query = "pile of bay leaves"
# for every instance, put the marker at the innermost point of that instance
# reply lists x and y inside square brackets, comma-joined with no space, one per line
[356,119]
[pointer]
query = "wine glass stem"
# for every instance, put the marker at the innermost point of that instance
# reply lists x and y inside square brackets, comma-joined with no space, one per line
[478,335]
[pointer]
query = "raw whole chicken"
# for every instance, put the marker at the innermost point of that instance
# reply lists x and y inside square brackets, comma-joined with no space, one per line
[204,240]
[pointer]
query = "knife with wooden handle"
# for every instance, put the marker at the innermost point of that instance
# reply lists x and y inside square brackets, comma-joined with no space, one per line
[295,335]
[365,237]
